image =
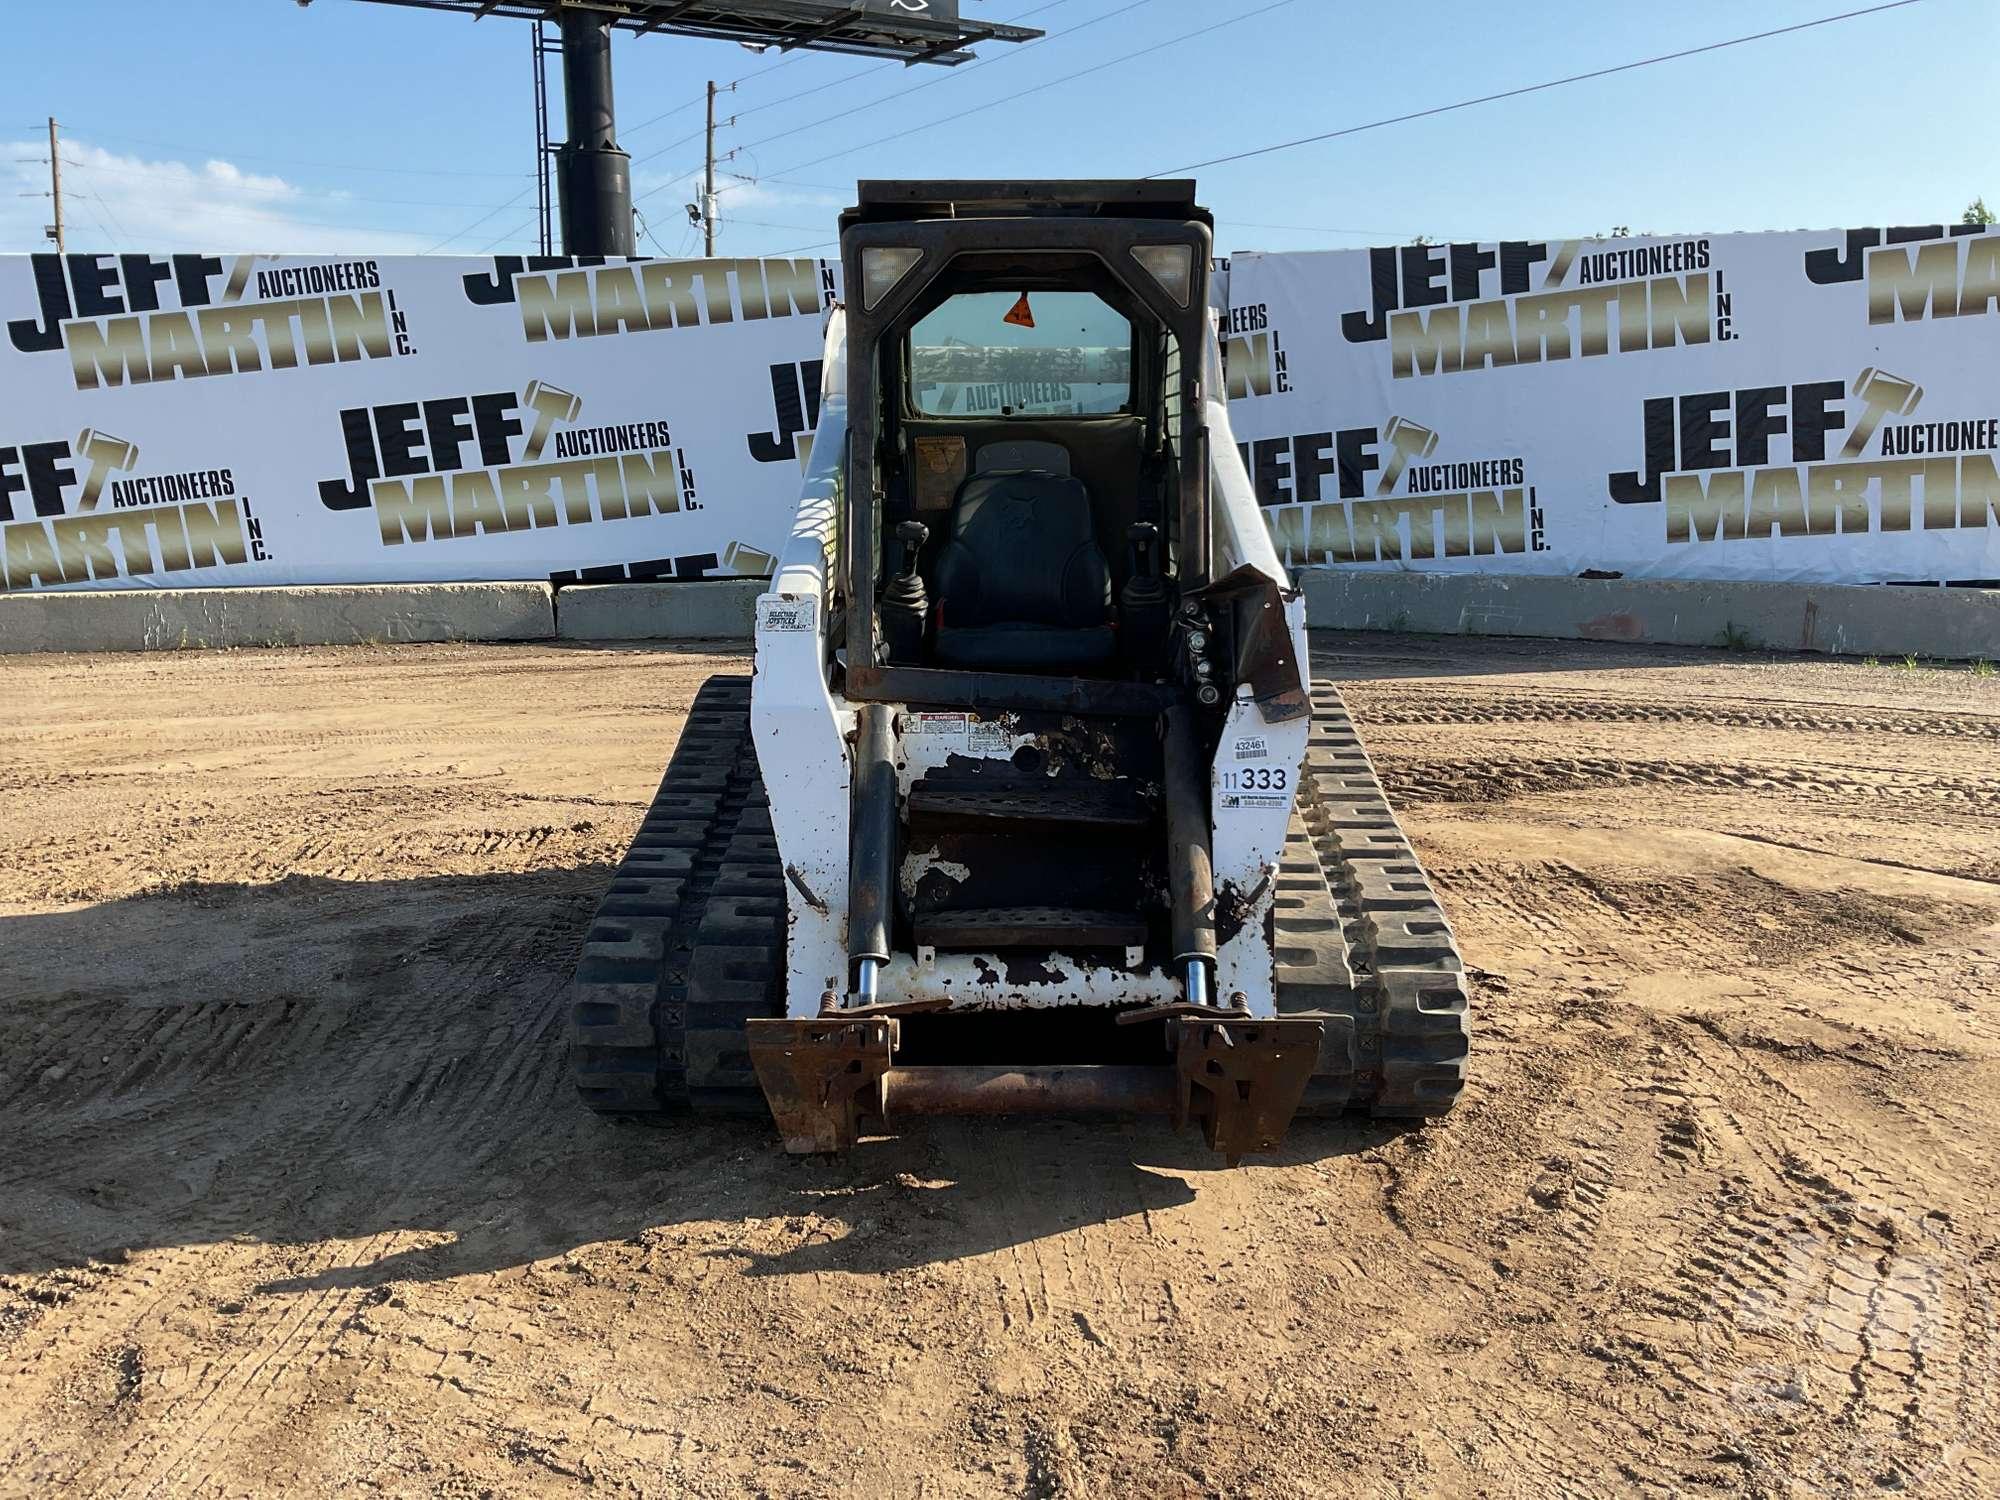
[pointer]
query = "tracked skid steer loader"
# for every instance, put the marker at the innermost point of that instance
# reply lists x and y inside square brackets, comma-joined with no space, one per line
[1029,807]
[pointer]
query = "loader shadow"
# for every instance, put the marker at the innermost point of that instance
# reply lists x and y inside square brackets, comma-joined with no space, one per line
[371,1079]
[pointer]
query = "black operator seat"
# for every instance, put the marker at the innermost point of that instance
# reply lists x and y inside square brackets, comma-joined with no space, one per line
[1022,584]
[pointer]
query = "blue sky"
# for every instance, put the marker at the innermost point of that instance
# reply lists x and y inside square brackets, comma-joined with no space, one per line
[258,125]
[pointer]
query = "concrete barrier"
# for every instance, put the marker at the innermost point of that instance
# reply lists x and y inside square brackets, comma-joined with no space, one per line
[1850,619]
[1843,618]
[705,609]
[332,615]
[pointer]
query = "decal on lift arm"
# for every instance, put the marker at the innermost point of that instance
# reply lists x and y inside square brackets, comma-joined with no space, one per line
[775,612]
[1255,787]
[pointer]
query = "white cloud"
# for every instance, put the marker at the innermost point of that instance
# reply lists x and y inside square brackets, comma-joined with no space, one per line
[117,202]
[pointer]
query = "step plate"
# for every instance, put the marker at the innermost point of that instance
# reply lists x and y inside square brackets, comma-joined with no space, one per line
[1029,927]
[1031,799]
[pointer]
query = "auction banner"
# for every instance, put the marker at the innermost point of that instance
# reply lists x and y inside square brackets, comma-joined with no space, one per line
[185,420]
[1811,406]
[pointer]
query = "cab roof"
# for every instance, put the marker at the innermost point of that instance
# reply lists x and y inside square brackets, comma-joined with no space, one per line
[903,201]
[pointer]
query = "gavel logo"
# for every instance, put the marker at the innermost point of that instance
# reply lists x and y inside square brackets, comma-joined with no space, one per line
[746,561]
[106,455]
[1411,440]
[1882,395]
[550,404]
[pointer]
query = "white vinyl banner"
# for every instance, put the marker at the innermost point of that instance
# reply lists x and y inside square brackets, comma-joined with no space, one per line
[168,421]
[1813,406]
[1818,406]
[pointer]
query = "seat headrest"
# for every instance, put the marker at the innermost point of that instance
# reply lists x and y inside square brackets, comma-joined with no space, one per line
[1022,454]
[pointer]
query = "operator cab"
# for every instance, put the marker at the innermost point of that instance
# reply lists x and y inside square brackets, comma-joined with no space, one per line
[1026,502]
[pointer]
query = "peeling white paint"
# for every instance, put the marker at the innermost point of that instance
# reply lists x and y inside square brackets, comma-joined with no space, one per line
[917,865]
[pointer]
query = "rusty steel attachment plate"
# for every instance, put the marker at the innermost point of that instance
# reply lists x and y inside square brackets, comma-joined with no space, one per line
[1173,1009]
[920,1007]
[1242,1079]
[820,1077]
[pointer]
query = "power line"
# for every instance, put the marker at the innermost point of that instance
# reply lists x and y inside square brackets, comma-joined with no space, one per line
[666,114]
[195,179]
[954,74]
[944,74]
[497,209]
[946,77]
[743,78]
[830,187]
[331,166]
[647,230]
[1186,36]
[1536,88]
[892,65]
[501,240]
[1315,228]
[833,83]
[110,239]
[277,218]
[101,200]
[767,224]
[276,214]
[670,146]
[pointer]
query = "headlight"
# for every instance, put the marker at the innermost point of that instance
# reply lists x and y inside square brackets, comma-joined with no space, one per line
[1170,265]
[881,268]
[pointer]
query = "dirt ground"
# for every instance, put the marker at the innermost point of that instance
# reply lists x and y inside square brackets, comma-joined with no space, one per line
[293,1196]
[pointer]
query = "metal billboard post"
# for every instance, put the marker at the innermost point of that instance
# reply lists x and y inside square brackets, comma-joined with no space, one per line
[594,176]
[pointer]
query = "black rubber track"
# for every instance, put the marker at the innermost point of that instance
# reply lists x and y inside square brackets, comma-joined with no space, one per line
[1362,943]
[688,943]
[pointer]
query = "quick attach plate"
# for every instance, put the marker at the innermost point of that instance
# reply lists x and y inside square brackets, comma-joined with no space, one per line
[1242,1079]
[820,1077]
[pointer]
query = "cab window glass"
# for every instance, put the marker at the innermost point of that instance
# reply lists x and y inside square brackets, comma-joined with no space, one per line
[1009,354]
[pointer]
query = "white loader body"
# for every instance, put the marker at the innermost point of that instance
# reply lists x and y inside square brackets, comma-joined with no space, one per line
[804,732]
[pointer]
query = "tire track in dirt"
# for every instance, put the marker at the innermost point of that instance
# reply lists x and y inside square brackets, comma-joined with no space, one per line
[1828,1245]
[1398,707]
[1499,777]
[328,1217]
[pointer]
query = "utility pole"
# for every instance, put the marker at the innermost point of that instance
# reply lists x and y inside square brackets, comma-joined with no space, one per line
[55,184]
[709,181]
[703,213]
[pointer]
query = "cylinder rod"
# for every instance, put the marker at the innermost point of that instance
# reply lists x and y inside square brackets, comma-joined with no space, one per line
[1189,871]
[1028,1091]
[872,853]
[1197,982]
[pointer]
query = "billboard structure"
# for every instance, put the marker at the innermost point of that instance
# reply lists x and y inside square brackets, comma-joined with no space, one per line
[913,31]
[595,175]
